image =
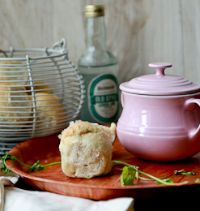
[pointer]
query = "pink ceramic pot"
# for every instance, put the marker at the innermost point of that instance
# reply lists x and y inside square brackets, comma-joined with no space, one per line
[161,116]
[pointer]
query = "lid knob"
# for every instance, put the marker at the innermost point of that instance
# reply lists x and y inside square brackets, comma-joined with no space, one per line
[160,68]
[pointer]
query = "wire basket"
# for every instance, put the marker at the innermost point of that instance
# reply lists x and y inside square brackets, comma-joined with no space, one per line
[41,91]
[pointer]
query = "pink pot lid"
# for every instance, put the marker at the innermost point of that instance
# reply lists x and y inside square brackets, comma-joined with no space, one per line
[160,83]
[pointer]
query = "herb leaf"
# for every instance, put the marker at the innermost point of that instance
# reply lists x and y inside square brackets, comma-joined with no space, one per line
[37,166]
[183,172]
[128,175]
[3,162]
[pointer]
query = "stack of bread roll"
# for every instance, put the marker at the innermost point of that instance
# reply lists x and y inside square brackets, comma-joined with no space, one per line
[15,104]
[50,113]
[22,105]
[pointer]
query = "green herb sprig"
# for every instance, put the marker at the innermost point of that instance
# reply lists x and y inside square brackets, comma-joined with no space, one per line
[4,158]
[131,173]
[185,173]
[37,166]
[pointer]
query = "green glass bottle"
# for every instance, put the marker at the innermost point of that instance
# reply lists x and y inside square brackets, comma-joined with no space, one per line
[99,69]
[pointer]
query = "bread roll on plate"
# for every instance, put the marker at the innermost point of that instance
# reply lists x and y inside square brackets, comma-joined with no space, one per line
[86,149]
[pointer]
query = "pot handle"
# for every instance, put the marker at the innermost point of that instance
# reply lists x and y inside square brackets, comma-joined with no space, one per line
[195,131]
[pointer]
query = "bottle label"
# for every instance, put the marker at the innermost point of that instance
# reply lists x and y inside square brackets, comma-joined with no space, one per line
[103,98]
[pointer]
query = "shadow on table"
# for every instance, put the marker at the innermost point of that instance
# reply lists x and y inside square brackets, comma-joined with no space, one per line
[178,198]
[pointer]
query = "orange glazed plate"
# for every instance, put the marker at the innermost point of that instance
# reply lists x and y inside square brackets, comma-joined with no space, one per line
[52,179]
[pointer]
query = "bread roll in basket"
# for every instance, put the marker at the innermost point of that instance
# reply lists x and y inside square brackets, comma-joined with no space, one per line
[41,91]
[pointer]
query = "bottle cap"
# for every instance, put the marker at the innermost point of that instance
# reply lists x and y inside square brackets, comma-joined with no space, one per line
[92,11]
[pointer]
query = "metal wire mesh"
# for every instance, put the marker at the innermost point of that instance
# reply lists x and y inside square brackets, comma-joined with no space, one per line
[41,91]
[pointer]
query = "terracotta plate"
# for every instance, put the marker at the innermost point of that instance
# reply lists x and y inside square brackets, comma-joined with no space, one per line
[104,187]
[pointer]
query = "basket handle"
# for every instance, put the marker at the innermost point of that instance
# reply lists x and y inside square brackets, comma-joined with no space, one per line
[59,45]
